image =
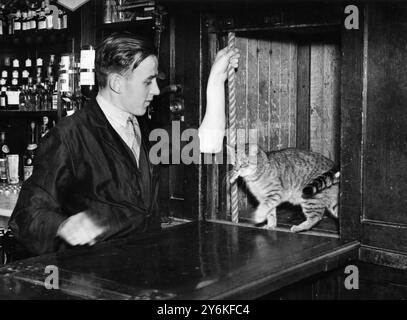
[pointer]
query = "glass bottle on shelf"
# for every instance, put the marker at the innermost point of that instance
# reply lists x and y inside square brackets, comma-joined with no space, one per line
[54,93]
[29,67]
[13,95]
[23,97]
[2,22]
[47,97]
[38,95]
[24,21]
[7,69]
[17,23]
[10,22]
[3,98]
[39,68]
[49,16]
[87,72]
[59,25]
[33,21]
[30,95]
[30,152]
[42,21]
[64,20]
[51,68]
[67,83]
[4,151]
[44,127]
[15,74]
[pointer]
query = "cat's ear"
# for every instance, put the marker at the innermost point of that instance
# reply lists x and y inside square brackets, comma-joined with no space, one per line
[231,154]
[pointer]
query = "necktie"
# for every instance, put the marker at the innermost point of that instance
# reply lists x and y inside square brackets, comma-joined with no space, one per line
[136,134]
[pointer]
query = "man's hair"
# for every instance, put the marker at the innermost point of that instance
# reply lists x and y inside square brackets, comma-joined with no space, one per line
[121,53]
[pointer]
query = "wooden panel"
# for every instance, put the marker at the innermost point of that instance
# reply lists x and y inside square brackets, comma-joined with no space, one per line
[288,94]
[389,237]
[283,83]
[324,96]
[351,131]
[263,96]
[385,167]
[241,108]
[303,96]
[383,257]
[212,169]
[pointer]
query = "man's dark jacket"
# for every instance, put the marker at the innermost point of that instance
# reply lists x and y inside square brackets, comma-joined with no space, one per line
[83,164]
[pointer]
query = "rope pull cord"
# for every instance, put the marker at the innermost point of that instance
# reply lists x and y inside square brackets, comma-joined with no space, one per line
[234,200]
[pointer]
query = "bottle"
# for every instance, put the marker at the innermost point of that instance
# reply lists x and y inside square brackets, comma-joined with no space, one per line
[87,72]
[24,21]
[107,6]
[49,16]
[42,21]
[17,23]
[59,26]
[44,127]
[29,67]
[64,20]
[2,22]
[3,99]
[39,68]
[10,19]
[13,95]
[33,21]
[54,89]
[38,95]
[24,76]
[67,83]
[15,74]
[4,77]
[30,152]
[7,70]
[4,151]
[51,68]
[30,95]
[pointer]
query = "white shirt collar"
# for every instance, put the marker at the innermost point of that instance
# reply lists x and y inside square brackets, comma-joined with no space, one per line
[115,115]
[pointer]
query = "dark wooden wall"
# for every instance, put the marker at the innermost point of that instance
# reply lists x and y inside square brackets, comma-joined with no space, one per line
[384,220]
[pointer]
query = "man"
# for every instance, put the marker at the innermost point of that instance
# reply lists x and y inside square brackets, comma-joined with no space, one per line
[92,178]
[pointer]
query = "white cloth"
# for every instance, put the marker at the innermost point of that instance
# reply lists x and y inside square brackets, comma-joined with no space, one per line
[129,131]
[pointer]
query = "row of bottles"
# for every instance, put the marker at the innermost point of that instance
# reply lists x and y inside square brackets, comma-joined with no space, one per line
[27,87]
[31,18]
[10,166]
[77,80]
[34,88]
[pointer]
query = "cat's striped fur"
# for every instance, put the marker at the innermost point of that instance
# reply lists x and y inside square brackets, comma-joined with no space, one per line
[280,176]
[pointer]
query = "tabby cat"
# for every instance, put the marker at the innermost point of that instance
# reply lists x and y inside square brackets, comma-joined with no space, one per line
[292,175]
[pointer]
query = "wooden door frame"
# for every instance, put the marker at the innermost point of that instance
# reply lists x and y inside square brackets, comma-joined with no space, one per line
[351,107]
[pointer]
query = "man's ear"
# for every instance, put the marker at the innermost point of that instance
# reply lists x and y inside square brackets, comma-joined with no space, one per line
[115,82]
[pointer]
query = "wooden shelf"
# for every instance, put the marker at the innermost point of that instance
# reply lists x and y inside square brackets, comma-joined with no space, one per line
[35,38]
[127,24]
[18,113]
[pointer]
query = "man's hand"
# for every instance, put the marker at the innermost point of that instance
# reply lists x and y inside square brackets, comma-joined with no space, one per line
[79,229]
[224,58]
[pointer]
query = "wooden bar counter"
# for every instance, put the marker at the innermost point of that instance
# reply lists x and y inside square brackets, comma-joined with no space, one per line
[194,260]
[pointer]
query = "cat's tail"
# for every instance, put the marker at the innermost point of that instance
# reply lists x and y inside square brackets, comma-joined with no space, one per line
[320,183]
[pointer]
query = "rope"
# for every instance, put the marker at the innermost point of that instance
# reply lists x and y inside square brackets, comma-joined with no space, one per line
[234,204]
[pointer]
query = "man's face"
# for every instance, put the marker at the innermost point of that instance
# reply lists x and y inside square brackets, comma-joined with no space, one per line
[140,86]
